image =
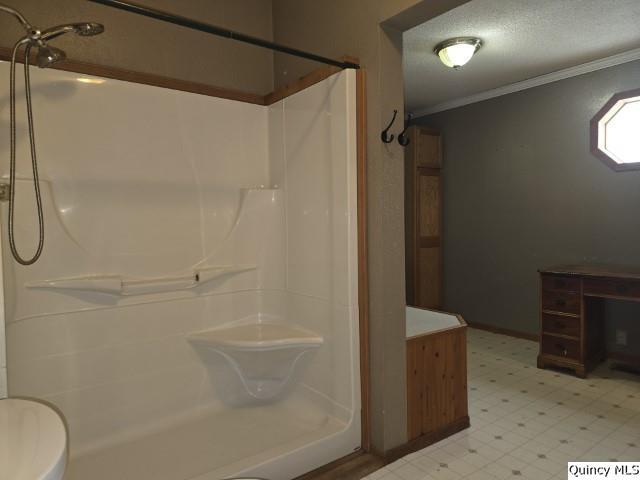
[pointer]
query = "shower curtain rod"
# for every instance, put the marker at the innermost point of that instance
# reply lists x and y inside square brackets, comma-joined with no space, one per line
[221,32]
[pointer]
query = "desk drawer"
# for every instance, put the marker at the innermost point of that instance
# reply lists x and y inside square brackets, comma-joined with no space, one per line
[560,283]
[612,287]
[564,302]
[561,325]
[560,347]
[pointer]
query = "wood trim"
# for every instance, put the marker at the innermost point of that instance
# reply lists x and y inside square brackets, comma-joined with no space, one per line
[626,359]
[430,242]
[594,131]
[461,323]
[306,81]
[300,84]
[430,171]
[436,333]
[426,440]
[150,79]
[504,331]
[153,80]
[363,255]
[354,466]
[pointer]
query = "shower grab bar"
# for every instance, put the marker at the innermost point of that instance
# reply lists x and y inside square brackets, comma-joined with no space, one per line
[221,32]
[123,286]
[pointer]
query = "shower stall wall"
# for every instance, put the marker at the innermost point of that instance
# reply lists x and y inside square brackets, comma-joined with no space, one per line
[194,314]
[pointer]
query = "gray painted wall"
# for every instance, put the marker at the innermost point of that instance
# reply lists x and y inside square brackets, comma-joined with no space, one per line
[522,191]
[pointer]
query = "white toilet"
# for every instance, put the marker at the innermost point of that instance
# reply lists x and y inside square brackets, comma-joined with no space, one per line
[33,441]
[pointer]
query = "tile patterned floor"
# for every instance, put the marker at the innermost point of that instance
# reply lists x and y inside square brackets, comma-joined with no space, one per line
[528,423]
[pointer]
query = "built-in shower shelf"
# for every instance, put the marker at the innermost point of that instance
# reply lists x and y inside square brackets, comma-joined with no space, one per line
[258,336]
[124,286]
[264,355]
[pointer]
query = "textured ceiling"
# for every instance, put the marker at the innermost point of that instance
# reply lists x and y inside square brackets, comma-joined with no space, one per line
[523,39]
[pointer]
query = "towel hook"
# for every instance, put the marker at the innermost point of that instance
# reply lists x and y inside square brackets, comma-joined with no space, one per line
[403,139]
[386,138]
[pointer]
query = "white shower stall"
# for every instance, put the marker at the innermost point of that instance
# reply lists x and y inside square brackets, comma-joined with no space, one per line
[194,314]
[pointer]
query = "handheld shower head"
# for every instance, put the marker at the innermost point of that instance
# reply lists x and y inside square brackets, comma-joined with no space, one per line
[89,29]
[48,55]
[45,57]
[86,29]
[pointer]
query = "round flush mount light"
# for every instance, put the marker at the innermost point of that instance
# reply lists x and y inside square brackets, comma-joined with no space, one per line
[456,52]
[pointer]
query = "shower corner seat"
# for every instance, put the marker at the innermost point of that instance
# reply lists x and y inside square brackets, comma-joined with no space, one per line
[264,355]
[257,336]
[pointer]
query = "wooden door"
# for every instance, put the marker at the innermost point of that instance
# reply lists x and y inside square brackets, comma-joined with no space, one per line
[423,218]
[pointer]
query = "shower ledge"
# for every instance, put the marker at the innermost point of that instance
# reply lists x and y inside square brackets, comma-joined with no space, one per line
[257,336]
[124,286]
[263,355]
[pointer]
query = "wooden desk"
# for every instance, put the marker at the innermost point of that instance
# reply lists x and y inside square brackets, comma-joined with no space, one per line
[572,312]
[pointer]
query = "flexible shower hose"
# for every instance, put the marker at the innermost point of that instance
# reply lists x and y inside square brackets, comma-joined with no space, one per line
[12,157]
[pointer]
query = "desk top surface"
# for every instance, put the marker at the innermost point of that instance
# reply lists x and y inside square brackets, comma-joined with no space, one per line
[607,271]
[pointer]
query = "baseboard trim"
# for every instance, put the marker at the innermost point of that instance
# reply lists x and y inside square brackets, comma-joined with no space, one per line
[504,331]
[354,466]
[426,440]
[625,359]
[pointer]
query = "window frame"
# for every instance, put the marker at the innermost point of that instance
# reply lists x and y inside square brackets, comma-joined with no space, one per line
[601,154]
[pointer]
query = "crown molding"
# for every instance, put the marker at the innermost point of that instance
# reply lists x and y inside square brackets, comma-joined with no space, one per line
[612,61]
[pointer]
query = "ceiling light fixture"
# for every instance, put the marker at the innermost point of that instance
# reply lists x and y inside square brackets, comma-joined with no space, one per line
[456,52]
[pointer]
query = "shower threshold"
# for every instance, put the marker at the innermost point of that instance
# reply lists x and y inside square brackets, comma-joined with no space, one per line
[213,445]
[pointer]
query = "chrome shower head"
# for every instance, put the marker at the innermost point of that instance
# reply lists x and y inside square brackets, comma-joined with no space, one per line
[85,29]
[48,55]
[89,29]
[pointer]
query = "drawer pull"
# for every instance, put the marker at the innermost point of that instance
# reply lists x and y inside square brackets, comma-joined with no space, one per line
[560,303]
[560,347]
[560,325]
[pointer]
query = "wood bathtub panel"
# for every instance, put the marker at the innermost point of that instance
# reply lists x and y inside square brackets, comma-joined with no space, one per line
[413,395]
[436,381]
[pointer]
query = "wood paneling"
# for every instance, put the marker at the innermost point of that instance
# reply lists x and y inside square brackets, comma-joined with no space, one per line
[423,218]
[429,292]
[427,148]
[436,381]
[429,205]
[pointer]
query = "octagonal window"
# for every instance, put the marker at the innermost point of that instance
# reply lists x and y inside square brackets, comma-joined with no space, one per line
[616,132]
